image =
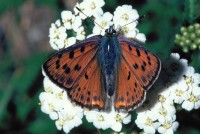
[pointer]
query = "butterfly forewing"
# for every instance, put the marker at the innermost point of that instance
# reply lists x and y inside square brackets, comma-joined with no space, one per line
[70,69]
[143,63]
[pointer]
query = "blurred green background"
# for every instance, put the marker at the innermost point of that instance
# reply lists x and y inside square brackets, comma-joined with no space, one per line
[24,46]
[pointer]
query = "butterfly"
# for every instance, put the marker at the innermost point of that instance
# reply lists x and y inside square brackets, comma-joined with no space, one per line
[104,70]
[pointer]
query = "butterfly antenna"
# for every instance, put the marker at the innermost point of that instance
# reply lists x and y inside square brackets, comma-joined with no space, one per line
[138,19]
[89,17]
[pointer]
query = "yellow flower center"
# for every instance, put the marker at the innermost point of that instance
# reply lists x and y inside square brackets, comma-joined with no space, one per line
[70,117]
[118,118]
[100,117]
[167,125]
[193,98]
[61,122]
[163,112]
[67,21]
[59,95]
[103,24]
[179,92]
[161,98]
[188,79]
[83,32]
[125,30]
[93,6]
[48,90]
[149,122]
[57,33]
[125,16]
[51,107]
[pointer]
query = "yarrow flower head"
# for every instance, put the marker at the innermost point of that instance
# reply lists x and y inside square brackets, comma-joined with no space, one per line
[170,91]
[179,83]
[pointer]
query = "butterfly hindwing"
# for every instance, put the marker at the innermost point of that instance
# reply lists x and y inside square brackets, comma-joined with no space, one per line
[129,93]
[69,69]
[89,91]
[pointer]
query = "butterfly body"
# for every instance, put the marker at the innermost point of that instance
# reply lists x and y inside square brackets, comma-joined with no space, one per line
[108,59]
[104,68]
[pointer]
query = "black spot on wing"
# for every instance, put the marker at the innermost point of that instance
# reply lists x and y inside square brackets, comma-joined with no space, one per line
[59,55]
[82,49]
[67,70]
[77,67]
[144,63]
[57,66]
[64,66]
[143,68]
[129,47]
[69,81]
[138,52]
[57,62]
[71,55]
[86,76]
[149,62]
[135,66]
[135,84]
[144,79]
[129,75]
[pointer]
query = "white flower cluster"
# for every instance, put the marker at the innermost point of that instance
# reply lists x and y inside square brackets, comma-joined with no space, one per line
[55,103]
[160,114]
[73,23]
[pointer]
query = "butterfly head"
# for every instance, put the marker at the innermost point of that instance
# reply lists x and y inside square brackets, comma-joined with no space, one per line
[111,30]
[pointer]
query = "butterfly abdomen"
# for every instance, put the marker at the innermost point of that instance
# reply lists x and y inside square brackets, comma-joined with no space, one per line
[108,60]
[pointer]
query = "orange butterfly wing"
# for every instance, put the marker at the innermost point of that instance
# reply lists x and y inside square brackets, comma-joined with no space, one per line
[74,68]
[138,69]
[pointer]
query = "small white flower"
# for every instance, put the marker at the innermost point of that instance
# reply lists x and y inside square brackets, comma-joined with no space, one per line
[70,21]
[60,33]
[80,33]
[191,100]
[92,7]
[190,77]
[76,24]
[141,37]
[67,19]
[105,120]
[71,117]
[168,127]
[129,31]
[47,102]
[104,21]
[69,41]
[57,33]
[124,15]
[147,120]
[99,119]
[164,111]
[118,119]
[178,90]
[164,97]
[54,101]
[81,6]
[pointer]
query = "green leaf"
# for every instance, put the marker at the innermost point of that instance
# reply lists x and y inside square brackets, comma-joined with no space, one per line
[192,10]
[42,125]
